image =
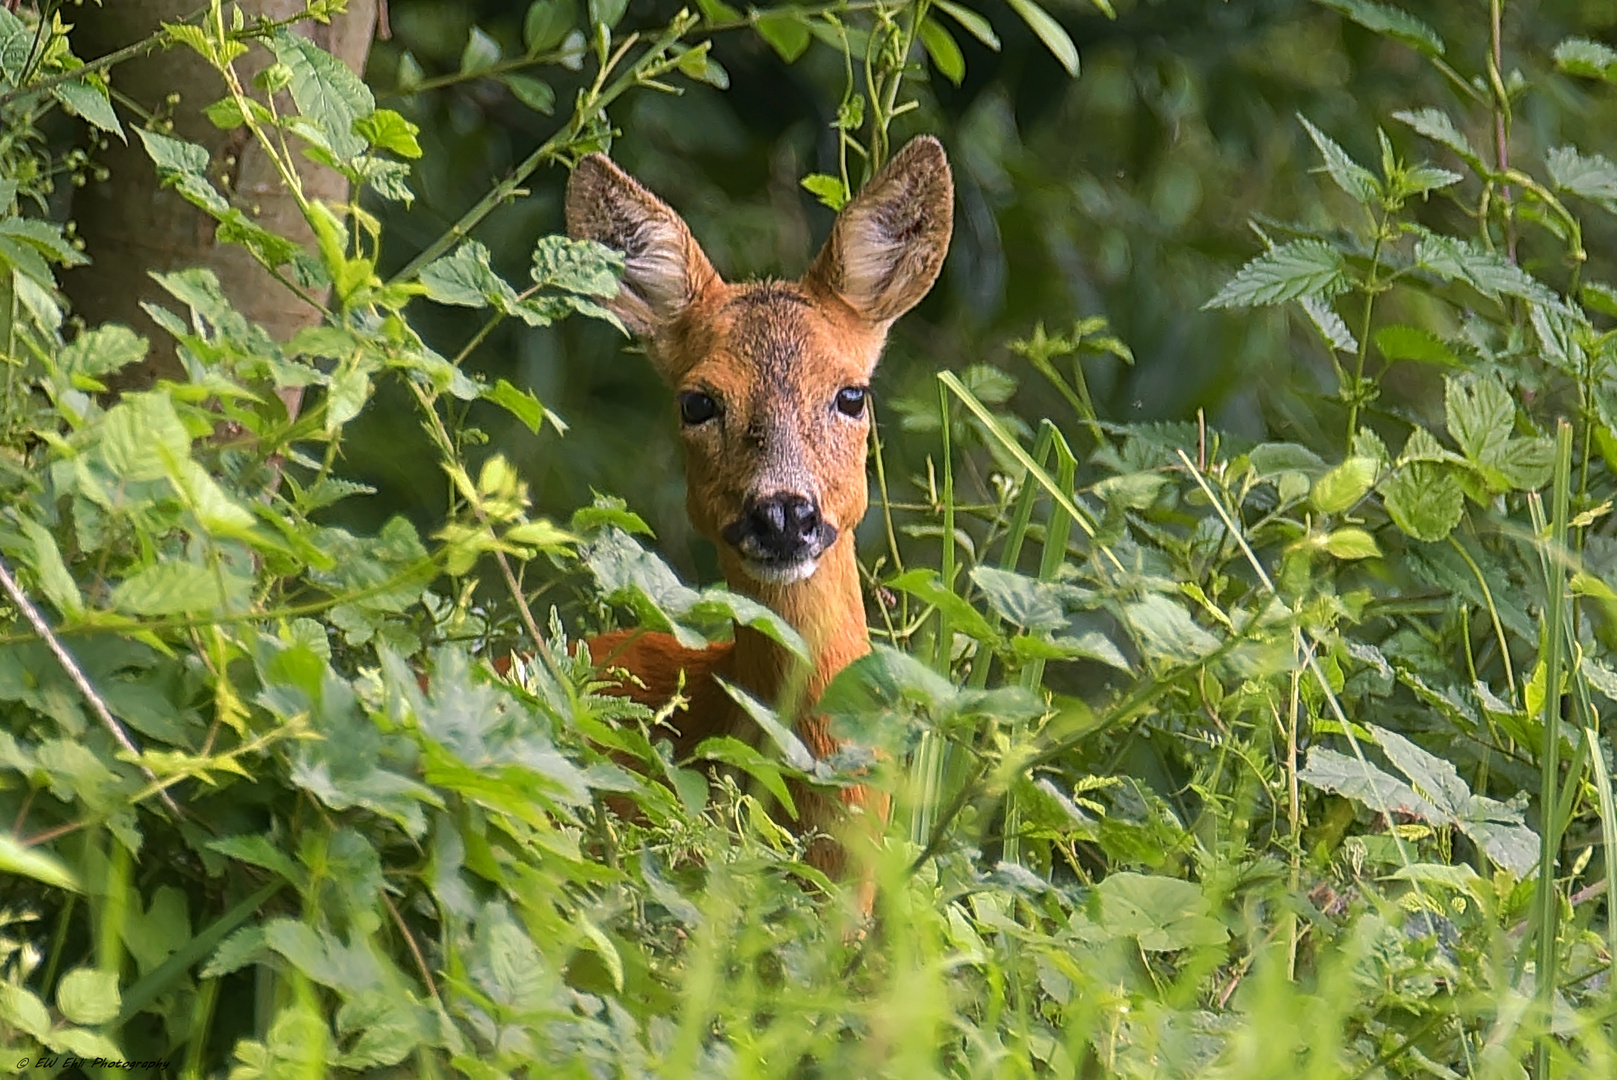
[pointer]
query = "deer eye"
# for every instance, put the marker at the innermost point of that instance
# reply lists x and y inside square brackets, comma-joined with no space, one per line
[851,401]
[696,407]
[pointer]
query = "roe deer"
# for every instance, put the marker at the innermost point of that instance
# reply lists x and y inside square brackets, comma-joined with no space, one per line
[771,380]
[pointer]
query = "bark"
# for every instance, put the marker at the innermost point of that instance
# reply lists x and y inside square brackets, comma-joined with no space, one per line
[132,226]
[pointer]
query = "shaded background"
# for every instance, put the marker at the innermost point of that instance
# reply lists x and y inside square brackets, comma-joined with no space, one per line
[1128,193]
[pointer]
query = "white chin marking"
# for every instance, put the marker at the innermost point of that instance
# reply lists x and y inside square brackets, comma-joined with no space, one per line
[771,574]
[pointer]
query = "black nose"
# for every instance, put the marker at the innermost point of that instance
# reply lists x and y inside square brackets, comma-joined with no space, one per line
[781,528]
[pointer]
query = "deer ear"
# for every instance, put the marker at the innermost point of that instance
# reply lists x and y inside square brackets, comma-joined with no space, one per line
[888,244]
[664,268]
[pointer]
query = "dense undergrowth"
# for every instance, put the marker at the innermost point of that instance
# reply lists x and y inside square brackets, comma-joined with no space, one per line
[1212,758]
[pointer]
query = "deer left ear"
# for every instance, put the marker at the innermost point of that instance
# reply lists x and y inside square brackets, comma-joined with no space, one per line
[888,244]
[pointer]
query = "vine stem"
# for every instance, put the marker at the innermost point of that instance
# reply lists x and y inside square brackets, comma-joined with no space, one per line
[1371,287]
[80,680]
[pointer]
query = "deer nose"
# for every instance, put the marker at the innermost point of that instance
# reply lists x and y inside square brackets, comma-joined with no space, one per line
[781,528]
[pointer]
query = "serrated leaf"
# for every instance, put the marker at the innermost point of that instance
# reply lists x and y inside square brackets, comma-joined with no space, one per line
[828,189]
[1436,125]
[325,91]
[1351,544]
[1480,415]
[1389,22]
[1027,602]
[385,129]
[1460,260]
[465,278]
[1350,176]
[1293,270]
[1414,343]
[1590,59]
[1342,487]
[168,588]
[1332,330]
[1166,631]
[1590,176]
[1424,500]
[91,104]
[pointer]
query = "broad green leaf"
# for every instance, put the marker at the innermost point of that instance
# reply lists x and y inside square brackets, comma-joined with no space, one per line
[88,996]
[142,437]
[1163,914]
[1292,270]
[1166,631]
[1591,59]
[1414,343]
[173,155]
[828,189]
[466,279]
[325,91]
[607,12]
[1350,176]
[546,23]
[385,129]
[1590,176]
[91,103]
[59,586]
[926,586]
[733,752]
[580,266]
[1332,330]
[1351,544]
[1436,125]
[1390,22]
[1024,601]
[1424,500]
[1342,487]
[102,351]
[1050,32]
[785,32]
[519,403]
[1481,415]
[31,862]
[169,588]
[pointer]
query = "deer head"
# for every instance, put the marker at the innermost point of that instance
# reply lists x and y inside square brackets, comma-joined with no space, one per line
[771,379]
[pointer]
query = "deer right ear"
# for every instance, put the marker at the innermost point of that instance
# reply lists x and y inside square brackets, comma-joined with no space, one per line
[888,244]
[664,268]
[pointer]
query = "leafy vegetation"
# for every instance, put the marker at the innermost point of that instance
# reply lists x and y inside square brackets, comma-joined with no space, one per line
[1213,755]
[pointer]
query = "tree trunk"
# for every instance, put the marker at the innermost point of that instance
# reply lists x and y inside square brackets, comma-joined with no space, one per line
[132,226]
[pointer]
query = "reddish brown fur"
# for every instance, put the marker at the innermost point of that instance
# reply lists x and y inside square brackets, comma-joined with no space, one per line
[775,355]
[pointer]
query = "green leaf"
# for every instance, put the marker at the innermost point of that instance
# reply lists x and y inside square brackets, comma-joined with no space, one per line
[465,278]
[31,862]
[607,12]
[325,91]
[1342,487]
[1590,59]
[580,266]
[1332,329]
[1350,176]
[534,93]
[1050,32]
[519,403]
[1424,500]
[733,752]
[169,588]
[1351,544]
[1436,125]
[102,351]
[1027,602]
[1414,343]
[142,437]
[828,189]
[59,586]
[1292,270]
[1591,176]
[1389,22]
[385,129]
[480,53]
[926,586]
[1166,631]
[974,24]
[1163,914]
[546,23]
[1481,415]
[785,32]
[88,996]
[1460,260]
[91,103]
[945,54]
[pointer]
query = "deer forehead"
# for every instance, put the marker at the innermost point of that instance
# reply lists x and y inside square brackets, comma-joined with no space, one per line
[773,348]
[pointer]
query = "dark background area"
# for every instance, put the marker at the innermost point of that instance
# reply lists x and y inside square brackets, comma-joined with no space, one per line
[1128,192]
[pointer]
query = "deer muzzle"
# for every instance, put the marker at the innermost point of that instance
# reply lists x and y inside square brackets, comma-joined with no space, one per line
[780,537]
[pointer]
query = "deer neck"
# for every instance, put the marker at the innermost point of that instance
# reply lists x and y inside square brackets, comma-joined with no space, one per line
[828,612]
